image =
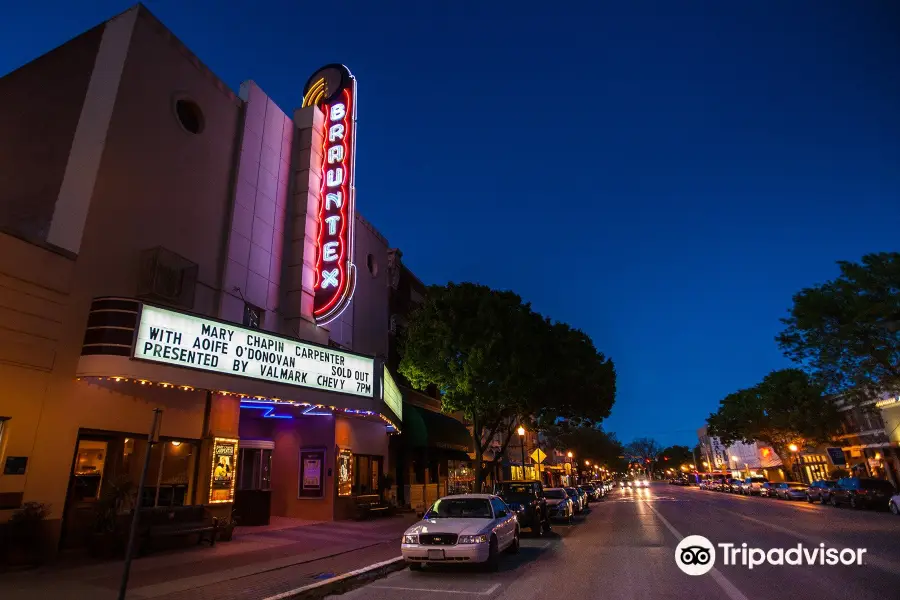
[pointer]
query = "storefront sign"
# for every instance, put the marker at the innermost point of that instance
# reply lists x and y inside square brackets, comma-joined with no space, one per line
[185,340]
[221,486]
[392,396]
[312,463]
[333,89]
[837,456]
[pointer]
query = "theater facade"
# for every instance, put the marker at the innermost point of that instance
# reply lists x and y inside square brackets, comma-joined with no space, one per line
[174,252]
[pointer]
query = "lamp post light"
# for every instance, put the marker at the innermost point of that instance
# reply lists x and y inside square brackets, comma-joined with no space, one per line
[521,432]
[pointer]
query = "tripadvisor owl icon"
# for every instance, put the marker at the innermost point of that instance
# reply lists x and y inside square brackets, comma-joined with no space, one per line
[695,555]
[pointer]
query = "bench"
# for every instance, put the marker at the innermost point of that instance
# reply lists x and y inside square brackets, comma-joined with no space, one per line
[177,521]
[371,504]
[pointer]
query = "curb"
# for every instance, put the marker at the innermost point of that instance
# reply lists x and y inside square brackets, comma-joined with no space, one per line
[342,583]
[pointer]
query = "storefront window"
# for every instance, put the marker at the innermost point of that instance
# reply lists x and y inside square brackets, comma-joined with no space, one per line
[460,477]
[345,473]
[88,470]
[366,474]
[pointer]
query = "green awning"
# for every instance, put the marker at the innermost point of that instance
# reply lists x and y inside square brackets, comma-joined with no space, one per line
[423,428]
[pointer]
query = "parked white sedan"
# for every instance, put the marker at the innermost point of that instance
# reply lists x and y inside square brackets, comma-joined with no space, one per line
[468,528]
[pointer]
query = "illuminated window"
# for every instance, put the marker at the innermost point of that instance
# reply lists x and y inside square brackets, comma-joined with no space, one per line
[345,473]
[88,470]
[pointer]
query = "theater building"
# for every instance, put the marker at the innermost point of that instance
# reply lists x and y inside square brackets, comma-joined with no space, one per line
[167,243]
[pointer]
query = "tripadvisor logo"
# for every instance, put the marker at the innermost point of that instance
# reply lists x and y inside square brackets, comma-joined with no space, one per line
[696,555]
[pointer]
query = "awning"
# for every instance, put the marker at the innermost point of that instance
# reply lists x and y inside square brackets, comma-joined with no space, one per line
[423,428]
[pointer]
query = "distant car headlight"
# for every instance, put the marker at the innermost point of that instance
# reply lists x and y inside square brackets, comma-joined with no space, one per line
[411,539]
[473,539]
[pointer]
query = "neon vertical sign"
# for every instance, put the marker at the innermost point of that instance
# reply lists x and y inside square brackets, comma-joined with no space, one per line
[333,90]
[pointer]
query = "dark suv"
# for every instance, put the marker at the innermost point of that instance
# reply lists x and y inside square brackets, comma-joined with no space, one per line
[527,499]
[861,492]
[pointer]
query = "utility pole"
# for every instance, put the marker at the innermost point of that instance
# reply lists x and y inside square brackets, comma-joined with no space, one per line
[152,439]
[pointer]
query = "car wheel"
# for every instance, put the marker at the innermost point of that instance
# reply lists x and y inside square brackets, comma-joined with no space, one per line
[853,502]
[514,546]
[834,502]
[809,499]
[822,499]
[415,566]
[548,526]
[493,562]
[570,519]
[894,508]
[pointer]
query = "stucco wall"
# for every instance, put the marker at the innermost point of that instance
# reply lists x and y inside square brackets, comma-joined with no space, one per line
[38,123]
[290,437]
[34,285]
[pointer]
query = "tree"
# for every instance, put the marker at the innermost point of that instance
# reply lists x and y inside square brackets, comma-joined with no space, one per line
[644,450]
[588,443]
[502,364]
[846,332]
[787,409]
[674,457]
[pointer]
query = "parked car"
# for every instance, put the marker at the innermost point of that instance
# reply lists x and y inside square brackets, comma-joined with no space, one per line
[526,498]
[585,497]
[819,491]
[576,499]
[716,484]
[791,490]
[752,484]
[862,492]
[704,484]
[728,485]
[474,528]
[767,489]
[894,504]
[592,490]
[559,506]
[738,486]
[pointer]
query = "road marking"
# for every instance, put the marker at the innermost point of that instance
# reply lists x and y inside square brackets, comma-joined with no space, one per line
[730,590]
[870,560]
[486,592]
[327,582]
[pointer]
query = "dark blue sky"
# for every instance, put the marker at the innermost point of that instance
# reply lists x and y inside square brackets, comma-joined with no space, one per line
[664,179]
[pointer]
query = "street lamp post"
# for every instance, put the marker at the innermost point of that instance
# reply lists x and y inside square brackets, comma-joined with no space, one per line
[521,432]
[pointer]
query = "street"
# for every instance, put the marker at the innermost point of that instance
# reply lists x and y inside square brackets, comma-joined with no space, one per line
[624,549]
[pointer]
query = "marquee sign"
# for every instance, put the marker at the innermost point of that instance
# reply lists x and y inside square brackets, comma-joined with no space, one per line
[184,340]
[333,89]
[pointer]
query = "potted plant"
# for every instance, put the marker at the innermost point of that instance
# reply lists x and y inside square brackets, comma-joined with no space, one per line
[23,534]
[386,489]
[226,531]
[108,538]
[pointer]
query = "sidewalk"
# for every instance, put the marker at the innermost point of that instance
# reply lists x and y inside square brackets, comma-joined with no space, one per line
[259,562]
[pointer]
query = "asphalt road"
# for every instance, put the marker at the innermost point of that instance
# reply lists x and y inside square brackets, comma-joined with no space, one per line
[625,549]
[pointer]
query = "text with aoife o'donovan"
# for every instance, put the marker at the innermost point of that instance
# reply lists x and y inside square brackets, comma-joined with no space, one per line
[175,338]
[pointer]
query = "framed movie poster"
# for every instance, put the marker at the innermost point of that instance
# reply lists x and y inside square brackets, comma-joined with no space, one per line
[222,475]
[312,473]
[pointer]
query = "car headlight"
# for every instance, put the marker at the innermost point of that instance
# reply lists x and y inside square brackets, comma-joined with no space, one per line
[472,539]
[411,539]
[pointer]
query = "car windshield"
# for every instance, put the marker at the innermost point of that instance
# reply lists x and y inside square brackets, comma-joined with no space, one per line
[516,489]
[876,485]
[464,508]
[556,494]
